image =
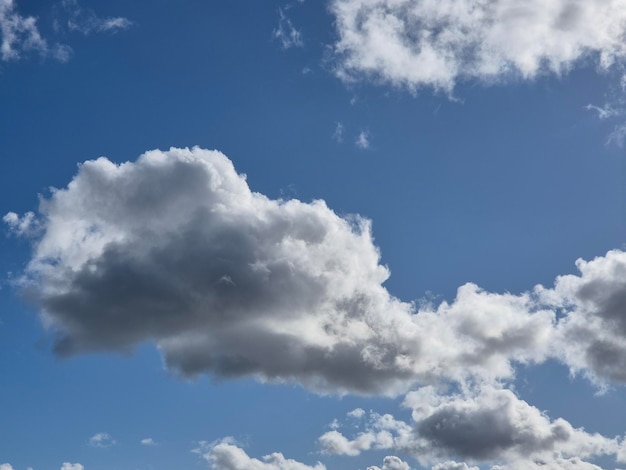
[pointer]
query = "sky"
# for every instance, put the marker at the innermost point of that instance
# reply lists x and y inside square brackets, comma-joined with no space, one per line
[297,234]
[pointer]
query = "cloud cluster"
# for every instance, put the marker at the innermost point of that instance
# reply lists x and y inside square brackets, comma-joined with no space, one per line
[489,425]
[20,35]
[176,249]
[225,454]
[436,43]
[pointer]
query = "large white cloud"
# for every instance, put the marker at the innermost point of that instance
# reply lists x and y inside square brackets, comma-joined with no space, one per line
[436,43]
[175,248]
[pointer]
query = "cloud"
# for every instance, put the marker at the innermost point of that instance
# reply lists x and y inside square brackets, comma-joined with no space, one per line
[226,455]
[487,425]
[148,442]
[176,249]
[286,33]
[591,337]
[363,140]
[6,466]
[392,462]
[416,43]
[20,35]
[338,133]
[87,22]
[72,466]
[102,440]
[452,465]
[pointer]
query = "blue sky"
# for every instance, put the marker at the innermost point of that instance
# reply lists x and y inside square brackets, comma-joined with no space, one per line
[392,285]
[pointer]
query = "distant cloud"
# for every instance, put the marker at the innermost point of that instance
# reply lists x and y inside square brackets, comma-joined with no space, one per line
[87,22]
[363,140]
[6,466]
[102,440]
[72,466]
[414,44]
[148,442]
[286,33]
[338,133]
[392,462]
[452,465]
[20,35]
[490,425]
[227,455]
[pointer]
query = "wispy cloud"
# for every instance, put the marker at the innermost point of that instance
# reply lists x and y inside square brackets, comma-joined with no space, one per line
[86,21]
[363,140]
[148,442]
[286,33]
[20,35]
[338,132]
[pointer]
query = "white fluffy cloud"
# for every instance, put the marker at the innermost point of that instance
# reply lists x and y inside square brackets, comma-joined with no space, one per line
[175,248]
[435,43]
[72,466]
[452,465]
[490,425]
[20,34]
[6,466]
[102,440]
[391,462]
[227,455]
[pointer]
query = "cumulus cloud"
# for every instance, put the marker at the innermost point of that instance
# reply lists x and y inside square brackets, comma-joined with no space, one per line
[86,21]
[286,33]
[227,455]
[72,466]
[489,425]
[102,440]
[20,35]
[452,465]
[391,462]
[148,442]
[6,466]
[175,248]
[416,43]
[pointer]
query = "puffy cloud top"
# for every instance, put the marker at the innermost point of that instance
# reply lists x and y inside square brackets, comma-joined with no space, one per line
[435,43]
[177,249]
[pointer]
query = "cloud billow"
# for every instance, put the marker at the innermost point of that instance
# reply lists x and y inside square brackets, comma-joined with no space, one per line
[417,43]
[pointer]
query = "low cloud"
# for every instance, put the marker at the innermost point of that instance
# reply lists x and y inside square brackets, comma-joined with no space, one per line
[175,248]
[392,462]
[488,425]
[227,455]
[414,44]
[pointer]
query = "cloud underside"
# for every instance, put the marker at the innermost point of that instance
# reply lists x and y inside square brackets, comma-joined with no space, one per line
[176,249]
[415,43]
[487,425]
